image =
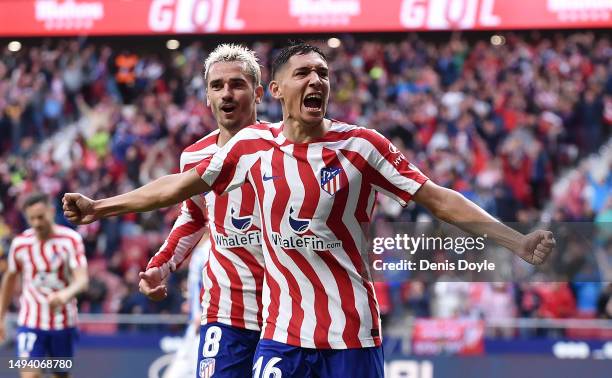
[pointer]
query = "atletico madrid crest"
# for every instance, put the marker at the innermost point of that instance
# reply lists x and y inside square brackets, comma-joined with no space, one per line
[207,368]
[330,179]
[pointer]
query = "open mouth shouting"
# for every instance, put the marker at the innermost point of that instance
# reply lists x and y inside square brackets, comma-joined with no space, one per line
[228,108]
[313,102]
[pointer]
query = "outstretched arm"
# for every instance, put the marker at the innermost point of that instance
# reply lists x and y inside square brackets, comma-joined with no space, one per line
[163,192]
[452,207]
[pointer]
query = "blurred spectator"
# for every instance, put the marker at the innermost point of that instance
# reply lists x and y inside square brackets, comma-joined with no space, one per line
[125,64]
[450,299]
[496,302]
[604,303]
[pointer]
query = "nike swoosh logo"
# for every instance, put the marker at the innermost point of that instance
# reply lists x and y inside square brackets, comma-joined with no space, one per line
[268,178]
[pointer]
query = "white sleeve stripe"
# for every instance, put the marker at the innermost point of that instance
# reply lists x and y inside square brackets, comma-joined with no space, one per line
[192,157]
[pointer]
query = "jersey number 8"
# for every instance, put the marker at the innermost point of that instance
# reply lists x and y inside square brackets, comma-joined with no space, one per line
[211,342]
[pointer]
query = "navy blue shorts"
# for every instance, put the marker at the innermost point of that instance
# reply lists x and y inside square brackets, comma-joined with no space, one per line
[36,343]
[274,359]
[226,351]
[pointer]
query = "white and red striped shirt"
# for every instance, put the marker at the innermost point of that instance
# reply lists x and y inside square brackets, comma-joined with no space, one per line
[233,275]
[46,267]
[314,199]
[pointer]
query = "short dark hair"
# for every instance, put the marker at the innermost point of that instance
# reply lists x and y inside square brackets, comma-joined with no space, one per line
[294,48]
[35,198]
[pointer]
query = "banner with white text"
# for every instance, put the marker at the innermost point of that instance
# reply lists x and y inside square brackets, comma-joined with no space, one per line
[147,17]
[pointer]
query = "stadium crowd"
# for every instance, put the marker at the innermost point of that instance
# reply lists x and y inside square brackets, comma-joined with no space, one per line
[497,123]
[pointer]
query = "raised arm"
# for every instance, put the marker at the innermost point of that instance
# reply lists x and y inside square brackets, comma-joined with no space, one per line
[163,192]
[452,207]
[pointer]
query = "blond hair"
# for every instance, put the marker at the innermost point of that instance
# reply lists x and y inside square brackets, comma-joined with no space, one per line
[229,52]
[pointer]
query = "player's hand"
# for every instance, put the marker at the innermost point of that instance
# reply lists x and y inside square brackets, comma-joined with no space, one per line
[78,209]
[151,284]
[57,298]
[536,247]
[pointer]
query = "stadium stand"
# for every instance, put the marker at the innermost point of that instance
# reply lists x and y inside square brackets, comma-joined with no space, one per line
[500,124]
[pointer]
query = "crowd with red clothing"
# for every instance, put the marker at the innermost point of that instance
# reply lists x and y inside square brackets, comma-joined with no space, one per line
[496,123]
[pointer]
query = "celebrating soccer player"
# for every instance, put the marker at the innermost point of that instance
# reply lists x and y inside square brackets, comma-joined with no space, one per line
[315,181]
[51,261]
[233,277]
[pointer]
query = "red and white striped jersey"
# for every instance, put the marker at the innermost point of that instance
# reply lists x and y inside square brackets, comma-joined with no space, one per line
[314,199]
[233,274]
[46,267]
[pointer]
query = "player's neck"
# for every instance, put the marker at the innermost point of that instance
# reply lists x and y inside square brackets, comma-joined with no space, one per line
[225,133]
[298,132]
[44,236]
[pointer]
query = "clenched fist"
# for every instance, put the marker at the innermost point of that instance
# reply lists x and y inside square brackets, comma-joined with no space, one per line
[151,284]
[79,209]
[536,246]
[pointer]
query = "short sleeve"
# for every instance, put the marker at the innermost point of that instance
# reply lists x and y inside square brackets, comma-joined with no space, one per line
[77,257]
[390,172]
[227,169]
[13,265]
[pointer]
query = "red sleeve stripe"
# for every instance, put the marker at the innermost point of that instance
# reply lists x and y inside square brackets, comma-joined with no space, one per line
[189,227]
[375,177]
[169,250]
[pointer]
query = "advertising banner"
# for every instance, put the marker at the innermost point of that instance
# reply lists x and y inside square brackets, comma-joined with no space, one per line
[146,17]
[448,337]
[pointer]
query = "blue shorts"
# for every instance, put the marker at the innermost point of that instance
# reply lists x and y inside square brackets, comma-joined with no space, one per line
[36,343]
[296,362]
[226,351]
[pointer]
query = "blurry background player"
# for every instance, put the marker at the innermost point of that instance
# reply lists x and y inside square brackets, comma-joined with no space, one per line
[184,364]
[318,178]
[233,277]
[51,261]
